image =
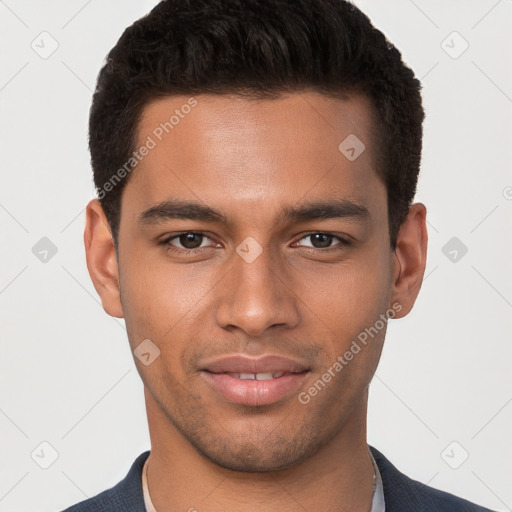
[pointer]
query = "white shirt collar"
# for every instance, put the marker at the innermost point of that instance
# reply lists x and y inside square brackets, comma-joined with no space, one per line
[145,490]
[378,504]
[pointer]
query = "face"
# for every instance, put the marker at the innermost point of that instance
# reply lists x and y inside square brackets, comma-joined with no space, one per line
[255,256]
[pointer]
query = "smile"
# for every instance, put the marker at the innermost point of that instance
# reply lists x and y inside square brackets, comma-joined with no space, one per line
[255,389]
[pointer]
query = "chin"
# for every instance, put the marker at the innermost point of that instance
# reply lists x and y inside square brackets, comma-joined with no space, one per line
[253,460]
[272,453]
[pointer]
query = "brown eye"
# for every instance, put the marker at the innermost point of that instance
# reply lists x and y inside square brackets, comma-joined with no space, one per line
[190,240]
[321,240]
[189,243]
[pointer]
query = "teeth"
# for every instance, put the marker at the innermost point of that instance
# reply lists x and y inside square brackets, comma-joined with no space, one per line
[257,376]
[246,376]
[263,376]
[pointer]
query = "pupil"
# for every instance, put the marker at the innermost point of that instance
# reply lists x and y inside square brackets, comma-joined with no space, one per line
[191,240]
[323,239]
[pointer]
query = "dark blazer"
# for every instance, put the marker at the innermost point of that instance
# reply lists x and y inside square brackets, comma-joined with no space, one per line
[401,493]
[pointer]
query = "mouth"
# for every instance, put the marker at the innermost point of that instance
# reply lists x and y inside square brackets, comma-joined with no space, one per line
[254,389]
[254,382]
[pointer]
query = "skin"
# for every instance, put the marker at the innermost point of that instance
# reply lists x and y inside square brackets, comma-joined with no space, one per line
[298,298]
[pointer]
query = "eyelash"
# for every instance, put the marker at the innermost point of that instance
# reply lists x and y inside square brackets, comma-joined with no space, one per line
[343,242]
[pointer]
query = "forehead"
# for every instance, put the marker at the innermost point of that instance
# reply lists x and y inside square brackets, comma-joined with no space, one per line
[236,152]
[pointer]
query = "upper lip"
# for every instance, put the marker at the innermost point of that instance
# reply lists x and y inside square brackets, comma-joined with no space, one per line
[238,363]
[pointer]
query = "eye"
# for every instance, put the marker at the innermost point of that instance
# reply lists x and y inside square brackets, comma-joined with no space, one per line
[324,241]
[186,241]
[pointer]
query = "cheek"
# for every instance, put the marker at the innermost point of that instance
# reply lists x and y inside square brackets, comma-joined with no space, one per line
[349,297]
[356,301]
[160,300]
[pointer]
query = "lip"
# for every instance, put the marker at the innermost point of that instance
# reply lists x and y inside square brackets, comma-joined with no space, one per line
[254,392]
[238,363]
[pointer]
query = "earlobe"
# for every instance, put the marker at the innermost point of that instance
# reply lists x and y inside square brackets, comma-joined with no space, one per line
[410,259]
[101,258]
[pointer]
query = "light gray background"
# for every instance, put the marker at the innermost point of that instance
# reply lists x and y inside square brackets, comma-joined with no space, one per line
[66,374]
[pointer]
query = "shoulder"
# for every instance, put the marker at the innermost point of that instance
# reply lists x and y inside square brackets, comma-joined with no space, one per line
[402,493]
[126,496]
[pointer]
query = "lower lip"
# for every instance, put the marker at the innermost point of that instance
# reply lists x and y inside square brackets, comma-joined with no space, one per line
[251,391]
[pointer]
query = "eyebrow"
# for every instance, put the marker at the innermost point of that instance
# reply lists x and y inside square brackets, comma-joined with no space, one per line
[319,210]
[176,209]
[324,210]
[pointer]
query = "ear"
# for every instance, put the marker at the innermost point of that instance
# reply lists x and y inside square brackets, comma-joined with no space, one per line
[101,258]
[410,259]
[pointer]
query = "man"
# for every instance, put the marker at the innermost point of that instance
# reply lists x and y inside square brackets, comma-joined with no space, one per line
[256,163]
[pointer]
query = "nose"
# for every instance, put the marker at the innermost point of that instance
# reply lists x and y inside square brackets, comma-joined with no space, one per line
[256,296]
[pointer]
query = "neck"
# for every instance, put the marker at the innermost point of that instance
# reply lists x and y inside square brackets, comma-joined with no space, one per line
[338,477]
